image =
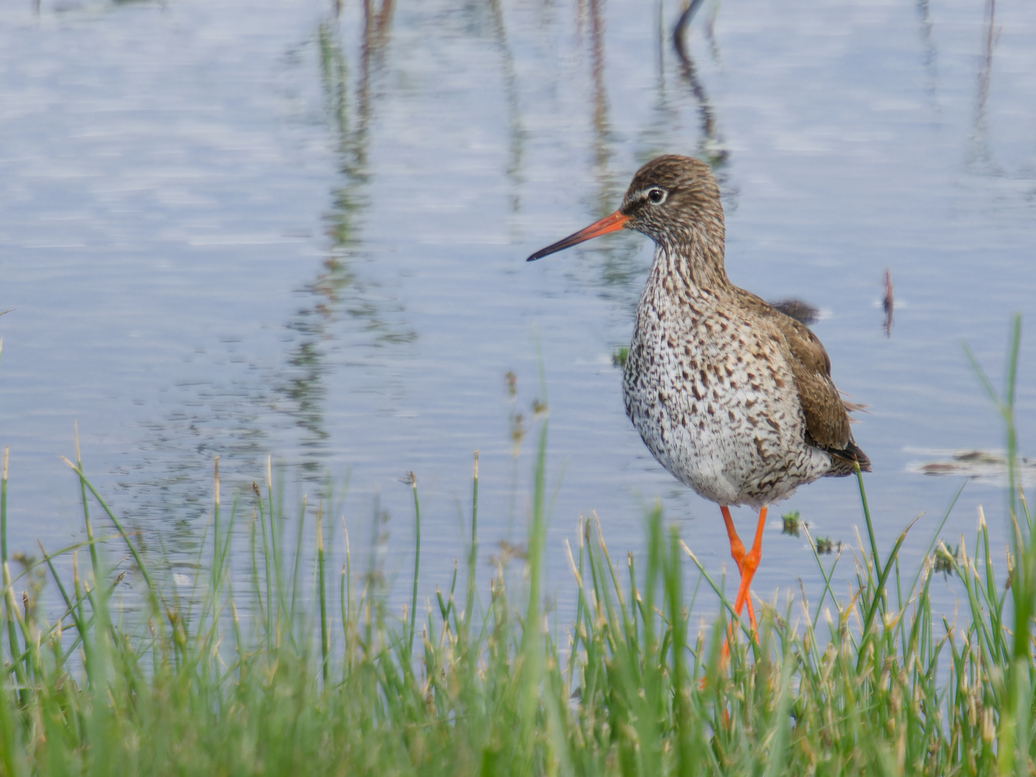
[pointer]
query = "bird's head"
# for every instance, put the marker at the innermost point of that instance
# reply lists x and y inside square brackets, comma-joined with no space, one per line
[672,199]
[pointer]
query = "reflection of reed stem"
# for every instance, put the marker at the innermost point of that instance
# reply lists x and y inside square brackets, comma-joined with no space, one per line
[925,17]
[984,77]
[339,292]
[511,87]
[376,28]
[687,69]
[600,93]
[987,62]
[681,26]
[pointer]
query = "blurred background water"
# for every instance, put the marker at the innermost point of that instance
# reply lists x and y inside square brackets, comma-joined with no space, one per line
[292,230]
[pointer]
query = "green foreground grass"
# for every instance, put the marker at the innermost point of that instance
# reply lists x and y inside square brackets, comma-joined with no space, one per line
[321,678]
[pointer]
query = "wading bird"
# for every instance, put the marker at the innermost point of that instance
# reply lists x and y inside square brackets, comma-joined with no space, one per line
[731,396]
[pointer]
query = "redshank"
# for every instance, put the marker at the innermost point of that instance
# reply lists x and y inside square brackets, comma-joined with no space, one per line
[731,396]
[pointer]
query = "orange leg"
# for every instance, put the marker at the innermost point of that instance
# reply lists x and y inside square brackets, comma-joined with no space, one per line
[750,563]
[747,564]
[737,551]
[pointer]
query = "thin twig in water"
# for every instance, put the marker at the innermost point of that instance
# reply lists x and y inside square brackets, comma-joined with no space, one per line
[887,303]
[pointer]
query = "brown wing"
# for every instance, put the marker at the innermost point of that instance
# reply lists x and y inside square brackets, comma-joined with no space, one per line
[827,418]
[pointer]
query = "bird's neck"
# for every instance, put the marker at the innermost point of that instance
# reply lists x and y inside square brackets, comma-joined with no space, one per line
[692,265]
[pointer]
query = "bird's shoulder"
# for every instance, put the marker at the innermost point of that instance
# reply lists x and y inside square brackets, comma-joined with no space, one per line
[827,421]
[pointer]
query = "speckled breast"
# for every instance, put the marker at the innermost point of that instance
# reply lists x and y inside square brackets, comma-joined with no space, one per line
[713,397]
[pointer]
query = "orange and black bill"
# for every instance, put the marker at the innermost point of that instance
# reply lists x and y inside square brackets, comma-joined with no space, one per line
[612,223]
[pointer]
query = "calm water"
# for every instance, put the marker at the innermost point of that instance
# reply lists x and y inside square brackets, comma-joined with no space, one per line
[251,229]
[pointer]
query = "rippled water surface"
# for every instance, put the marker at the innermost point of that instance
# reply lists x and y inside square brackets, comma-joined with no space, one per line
[252,229]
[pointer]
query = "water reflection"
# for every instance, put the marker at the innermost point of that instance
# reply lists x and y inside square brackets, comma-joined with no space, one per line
[599,101]
[515,130]
[342,308]
[930,53]
[338,293]
[711,148]
[981,156]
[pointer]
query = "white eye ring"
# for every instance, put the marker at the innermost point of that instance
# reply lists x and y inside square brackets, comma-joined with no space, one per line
[656,195]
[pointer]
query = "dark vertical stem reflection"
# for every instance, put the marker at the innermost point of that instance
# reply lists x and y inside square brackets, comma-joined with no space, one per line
[600,93]
[925,17]
[981,153]
[516,132]
[377,27]
[711,145]
[661,40]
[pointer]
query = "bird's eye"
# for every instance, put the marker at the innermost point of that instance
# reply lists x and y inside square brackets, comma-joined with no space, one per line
[656,196]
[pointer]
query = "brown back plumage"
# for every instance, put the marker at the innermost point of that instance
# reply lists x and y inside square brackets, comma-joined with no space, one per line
[827,414]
